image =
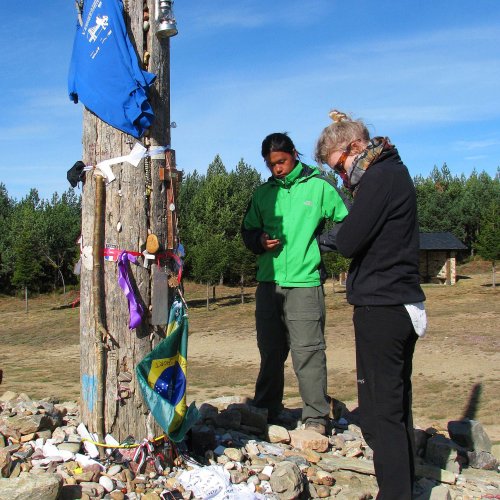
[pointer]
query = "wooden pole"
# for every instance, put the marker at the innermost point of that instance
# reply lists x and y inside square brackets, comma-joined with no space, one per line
[134,205]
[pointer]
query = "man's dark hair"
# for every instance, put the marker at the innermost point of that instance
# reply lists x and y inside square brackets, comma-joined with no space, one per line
[279,141]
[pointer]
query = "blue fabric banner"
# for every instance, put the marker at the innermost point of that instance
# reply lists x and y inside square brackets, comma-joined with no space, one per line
[105,73]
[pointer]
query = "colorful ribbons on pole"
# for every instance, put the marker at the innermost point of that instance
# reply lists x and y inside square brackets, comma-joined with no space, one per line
[135,308]
[123,257]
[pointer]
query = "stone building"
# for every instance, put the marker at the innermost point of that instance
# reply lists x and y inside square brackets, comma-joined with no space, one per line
[438,252]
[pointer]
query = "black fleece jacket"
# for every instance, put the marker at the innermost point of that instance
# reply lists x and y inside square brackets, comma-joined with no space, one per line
[381,235]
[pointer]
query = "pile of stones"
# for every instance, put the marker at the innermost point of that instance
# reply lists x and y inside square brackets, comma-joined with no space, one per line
[233,451]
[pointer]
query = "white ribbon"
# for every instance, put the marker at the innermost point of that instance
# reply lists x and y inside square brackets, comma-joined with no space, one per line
[134,157]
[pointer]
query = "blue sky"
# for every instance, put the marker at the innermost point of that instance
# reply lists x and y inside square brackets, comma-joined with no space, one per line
[426,74]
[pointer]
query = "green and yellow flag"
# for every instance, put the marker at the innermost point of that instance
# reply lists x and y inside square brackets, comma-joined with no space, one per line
[162,375]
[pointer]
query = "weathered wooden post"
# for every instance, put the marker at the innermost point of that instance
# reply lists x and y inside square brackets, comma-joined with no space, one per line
[135,206]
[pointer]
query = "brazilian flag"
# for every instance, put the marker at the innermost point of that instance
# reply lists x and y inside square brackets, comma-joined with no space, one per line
[162,377]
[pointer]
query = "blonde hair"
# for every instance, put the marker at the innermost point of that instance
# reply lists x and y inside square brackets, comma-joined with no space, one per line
[339,134]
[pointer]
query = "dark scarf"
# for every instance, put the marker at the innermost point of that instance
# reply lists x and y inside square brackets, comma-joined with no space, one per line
[364,160]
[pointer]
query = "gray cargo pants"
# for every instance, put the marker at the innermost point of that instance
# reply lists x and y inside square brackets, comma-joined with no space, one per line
[292,319]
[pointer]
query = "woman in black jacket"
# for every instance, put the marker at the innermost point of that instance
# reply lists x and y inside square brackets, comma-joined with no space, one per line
[380,234]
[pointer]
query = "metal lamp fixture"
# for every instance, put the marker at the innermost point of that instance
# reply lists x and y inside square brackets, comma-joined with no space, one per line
[166,26]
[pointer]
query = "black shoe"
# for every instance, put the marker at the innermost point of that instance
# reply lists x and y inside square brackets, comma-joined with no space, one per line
[283,419]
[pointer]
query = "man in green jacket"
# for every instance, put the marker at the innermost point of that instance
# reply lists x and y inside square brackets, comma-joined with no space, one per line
[282,225]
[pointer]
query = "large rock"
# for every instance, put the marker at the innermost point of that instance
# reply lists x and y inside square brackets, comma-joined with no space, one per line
[31,486]
[234,454]
[286,481]
[71,447]
[5,462]
[428,490]
[8,396]
[332,463]
[432,472]
[482,460]
[470,434]
[24,424]
[202,439]
[228,419]
[208,413]
[443,453]
[251,415]
[278,434]
[351,486]
[308,440]
[8,431]
[223,402]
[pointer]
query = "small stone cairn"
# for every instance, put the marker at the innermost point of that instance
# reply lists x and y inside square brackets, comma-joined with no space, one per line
[231,450]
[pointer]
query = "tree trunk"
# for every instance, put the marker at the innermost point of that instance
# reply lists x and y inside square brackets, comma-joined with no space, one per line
[135,203]
[242,288]
[493,278]
[208,295]
[26,298]
[63,282]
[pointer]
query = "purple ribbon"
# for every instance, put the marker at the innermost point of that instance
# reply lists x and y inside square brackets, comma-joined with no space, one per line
[134,307]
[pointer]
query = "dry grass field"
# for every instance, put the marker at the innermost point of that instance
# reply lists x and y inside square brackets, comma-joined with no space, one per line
[456,366]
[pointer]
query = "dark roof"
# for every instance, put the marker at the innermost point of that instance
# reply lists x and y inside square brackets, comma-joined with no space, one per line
[440,241]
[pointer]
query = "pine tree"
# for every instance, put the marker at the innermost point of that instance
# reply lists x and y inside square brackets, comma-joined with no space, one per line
[6,257]
[488,243]
[27,263]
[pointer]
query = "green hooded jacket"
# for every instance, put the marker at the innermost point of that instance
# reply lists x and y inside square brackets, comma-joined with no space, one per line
[292,210]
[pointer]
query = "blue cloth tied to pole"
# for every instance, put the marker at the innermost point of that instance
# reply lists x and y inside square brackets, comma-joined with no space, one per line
[104,72]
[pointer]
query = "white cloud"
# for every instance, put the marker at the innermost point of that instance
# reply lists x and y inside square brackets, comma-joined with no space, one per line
[22,133]
[477,144]
[448,39]
[477,157]
[248,14]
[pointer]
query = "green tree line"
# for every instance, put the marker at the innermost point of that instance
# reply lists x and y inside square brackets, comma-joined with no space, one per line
[38,237]
[38,241]
[456,204]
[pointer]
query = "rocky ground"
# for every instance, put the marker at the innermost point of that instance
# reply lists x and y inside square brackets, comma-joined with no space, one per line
[231,453]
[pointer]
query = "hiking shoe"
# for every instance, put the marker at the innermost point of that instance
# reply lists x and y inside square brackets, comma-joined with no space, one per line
[316,427]
[283,419]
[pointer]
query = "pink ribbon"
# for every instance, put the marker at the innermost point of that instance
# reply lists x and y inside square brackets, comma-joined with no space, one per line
[134,307]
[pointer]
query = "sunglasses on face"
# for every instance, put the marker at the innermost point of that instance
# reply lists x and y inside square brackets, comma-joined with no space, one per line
[339,166]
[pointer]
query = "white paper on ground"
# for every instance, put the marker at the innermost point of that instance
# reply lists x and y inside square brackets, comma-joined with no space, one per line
[109,439]
[83,460]
[267,470]
[90,447]
[213,483]
[49,450]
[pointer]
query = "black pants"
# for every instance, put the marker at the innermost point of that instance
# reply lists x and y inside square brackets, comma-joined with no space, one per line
[385,341]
